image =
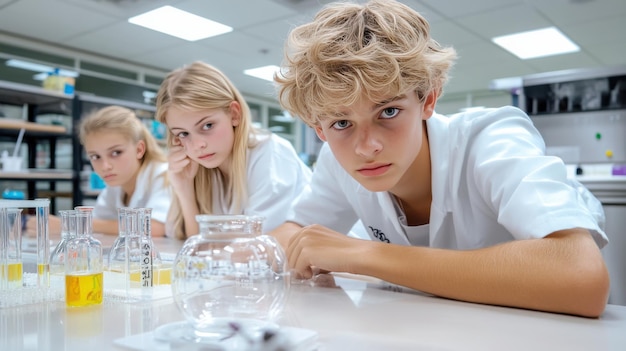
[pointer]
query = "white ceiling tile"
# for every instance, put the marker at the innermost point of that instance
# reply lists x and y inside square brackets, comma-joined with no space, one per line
[100,27]
[503,21]
[231,12]
[562,62]
[449,33]
[121,9]
[462,8]
[608,54]
[122,40]
[571,12]
[49,20]
[609,30]
[482,52]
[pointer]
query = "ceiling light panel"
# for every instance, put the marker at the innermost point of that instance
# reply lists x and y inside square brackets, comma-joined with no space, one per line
[179,23]
[537,43]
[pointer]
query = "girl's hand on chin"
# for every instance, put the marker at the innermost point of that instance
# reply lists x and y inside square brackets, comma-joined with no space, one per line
[181,169]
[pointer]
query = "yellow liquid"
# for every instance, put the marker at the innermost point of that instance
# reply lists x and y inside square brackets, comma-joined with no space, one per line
[162,276]
[15,272]
[43,269]
[83,290]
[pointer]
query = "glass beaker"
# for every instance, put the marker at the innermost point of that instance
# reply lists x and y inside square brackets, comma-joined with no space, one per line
[68,232]
[229,273]
[83,266]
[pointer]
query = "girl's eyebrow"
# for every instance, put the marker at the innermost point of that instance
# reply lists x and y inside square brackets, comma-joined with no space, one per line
[117,146]
[202,120]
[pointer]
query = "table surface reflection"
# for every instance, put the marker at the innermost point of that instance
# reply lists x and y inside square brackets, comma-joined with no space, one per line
[348,312]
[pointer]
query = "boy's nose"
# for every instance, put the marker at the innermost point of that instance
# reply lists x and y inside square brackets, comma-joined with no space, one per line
[367,144]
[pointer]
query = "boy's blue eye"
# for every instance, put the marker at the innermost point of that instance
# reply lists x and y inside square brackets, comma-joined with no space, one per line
[390,112]
[207,126]
[340,125]
[182,135]
[93,157]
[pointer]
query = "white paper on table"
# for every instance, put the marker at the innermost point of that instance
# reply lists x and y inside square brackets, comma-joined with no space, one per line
[301,339]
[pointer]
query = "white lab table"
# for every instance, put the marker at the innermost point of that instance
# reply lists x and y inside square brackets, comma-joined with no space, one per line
[347,312]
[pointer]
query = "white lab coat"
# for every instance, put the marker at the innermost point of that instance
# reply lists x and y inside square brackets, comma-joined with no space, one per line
[150,192]
[276,176]
[491,183]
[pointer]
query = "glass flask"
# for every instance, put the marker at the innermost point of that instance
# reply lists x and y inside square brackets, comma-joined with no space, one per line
[68,232]
[229,274]
[83,266]
[116,261]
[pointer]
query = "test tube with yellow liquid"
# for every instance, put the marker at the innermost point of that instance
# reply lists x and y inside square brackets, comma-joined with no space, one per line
[83,265]
[11,268]
[43,243]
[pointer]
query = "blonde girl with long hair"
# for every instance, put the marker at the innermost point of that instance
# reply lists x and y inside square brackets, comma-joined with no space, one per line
[219,163]
[123,152]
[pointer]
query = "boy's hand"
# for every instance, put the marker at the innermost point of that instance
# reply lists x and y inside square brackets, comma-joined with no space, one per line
[316,249]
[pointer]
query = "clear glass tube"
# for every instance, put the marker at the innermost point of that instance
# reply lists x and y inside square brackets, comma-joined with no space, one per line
[43,243]
[133,242]
[11,265]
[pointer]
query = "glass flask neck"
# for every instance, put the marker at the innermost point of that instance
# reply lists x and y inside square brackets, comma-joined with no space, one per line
[233,224]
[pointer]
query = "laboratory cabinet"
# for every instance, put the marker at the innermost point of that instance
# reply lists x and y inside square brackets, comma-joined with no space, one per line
[581,115]
[271,117]
[54,160]
[44,129]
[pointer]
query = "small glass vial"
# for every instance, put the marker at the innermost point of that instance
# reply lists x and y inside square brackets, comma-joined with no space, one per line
[68,232]
[83,266]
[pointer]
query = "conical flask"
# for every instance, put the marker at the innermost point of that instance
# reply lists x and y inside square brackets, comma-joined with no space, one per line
[68,232]
[117,255]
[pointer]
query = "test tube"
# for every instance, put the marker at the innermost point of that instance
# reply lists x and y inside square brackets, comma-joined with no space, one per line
[42,210]
[11,272]
[4,249]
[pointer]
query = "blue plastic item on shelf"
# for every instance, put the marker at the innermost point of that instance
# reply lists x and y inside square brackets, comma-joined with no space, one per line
[10,194]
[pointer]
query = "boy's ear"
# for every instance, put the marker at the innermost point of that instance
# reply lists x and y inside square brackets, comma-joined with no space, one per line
[320,132]
[235,113]
[429,104]
[141,149]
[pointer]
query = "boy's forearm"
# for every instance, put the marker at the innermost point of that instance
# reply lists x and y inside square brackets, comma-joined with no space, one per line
[563,275]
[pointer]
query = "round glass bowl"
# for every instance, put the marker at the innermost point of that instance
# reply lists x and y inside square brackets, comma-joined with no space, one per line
[229,276]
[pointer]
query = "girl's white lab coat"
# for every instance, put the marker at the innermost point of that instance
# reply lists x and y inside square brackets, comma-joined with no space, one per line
[150,192]
[276,176]
[491,183]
